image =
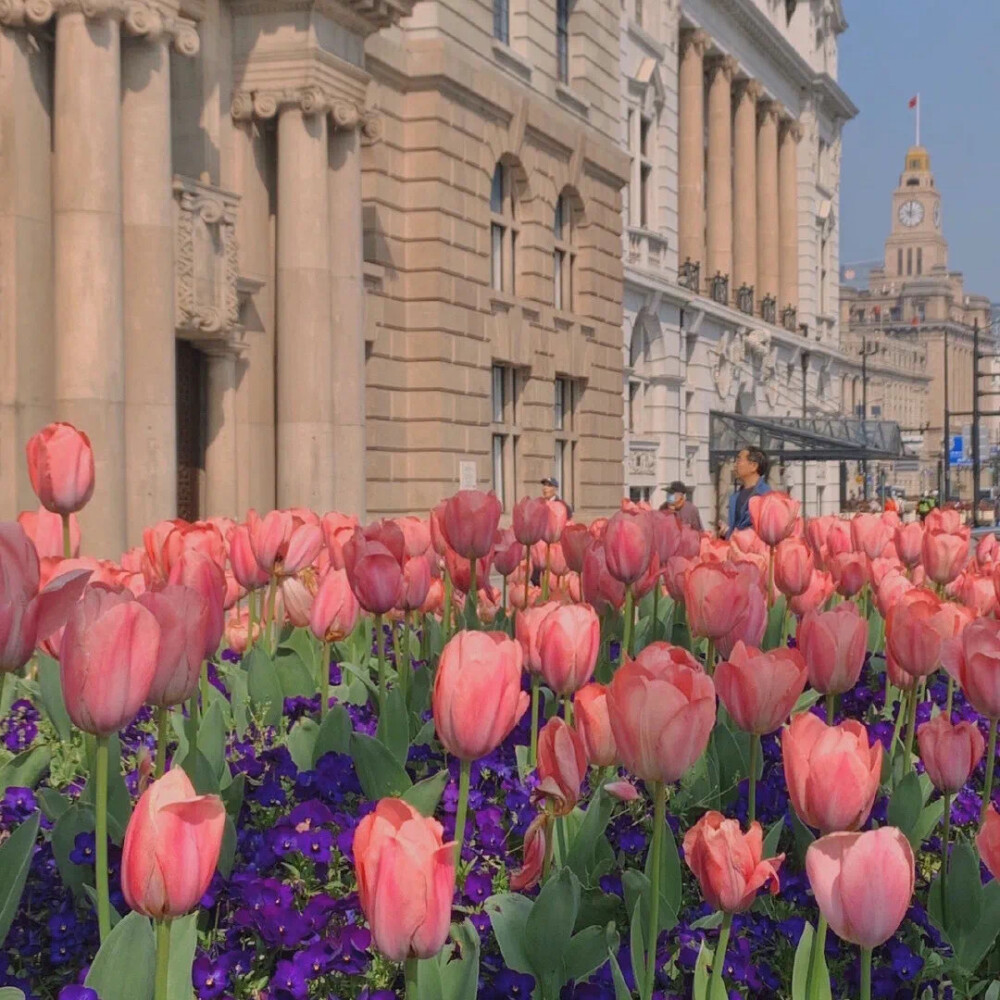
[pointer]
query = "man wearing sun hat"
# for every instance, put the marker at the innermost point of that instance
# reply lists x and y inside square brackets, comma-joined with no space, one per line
[677,501]
[550,491]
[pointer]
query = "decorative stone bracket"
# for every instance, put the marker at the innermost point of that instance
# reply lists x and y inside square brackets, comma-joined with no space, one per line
[207,262]
[265,104]
[141,18]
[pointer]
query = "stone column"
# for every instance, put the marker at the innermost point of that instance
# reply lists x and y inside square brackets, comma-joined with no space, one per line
[767,201]
[306,438]
[691,154]
[87,228]
[150,455]
[221,458]
[788,215]
[347,296]
[720,167]
[745,185]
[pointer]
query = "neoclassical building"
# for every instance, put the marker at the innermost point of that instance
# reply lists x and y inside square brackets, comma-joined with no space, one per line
[905,313]
[350,254]
[732,116]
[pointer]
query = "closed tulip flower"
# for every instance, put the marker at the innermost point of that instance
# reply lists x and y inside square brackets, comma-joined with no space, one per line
[477,698]
[406,880]
[814,597]
[416,535]
[977,593]
[416,583]
[973,659]
[728,863]
[556,516]
[833,644]
[529,520]
[944,552]
[526,628]
[793,567]
[535,838]
[890,591]
[335,609]
[183,616]
[198,571]
[107,660]
[871,533]
[715,598]
[860,908]
[171,847]
[909,543]
[296,597]
[469,522]
[575,540]
[375,574]
[244,563]
[600,589]
[628,545]
[759,689]
[950,751]
[988,841]
[674,575]
[831,771]
[662,709]
[849,571]
[569,639]
[749,627]
[508,553]
[774,515]
[562,766]
[914,632]
[61,468]
[590,717]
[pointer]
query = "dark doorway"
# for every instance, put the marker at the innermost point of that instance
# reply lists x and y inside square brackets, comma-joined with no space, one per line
[190,429]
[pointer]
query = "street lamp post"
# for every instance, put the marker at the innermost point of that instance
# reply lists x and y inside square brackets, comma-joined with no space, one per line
[865,355]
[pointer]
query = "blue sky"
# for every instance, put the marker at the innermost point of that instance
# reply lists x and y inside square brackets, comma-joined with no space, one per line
[949,51]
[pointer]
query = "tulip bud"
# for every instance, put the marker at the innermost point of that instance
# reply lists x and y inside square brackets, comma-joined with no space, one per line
[61,468]
[950,752]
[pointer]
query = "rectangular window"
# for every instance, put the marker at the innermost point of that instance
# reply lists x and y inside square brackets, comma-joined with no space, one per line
[496,256]
[499,378]
[909,260]
[639,12]
[505,432]
[566,397]
[501,20]
[920,260]
[558,262]
[562,39]
[499,441]
[899,261]
[632,412]
[560,404]
[645,179]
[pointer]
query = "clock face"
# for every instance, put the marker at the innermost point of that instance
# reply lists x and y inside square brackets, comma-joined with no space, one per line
[937,215]
[911,213]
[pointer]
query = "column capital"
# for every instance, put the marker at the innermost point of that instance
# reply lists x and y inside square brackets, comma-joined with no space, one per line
[263,105]
[752,90]
[770,111]
[695,39]
[140,18]
[724,64]
[792,130]
[154,21]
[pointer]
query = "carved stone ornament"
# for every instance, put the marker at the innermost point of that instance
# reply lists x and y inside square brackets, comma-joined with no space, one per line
[207,268]
[641,462]
[313,100]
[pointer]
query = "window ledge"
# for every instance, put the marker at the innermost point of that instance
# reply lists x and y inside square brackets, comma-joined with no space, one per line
[501,301]
[573,100]
[562,319]
[512,60]
[641,35]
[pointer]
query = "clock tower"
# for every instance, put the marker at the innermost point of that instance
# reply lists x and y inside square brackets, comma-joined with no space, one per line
[915,246]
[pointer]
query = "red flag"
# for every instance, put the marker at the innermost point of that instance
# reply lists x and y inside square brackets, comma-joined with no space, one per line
[913,102]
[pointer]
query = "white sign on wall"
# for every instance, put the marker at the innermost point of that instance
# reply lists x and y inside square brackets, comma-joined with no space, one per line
[467,475]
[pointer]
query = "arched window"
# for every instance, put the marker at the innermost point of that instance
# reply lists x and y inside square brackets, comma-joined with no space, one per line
[564,254]
[503,230]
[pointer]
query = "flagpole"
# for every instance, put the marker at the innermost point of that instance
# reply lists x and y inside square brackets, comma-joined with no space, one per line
[918,119]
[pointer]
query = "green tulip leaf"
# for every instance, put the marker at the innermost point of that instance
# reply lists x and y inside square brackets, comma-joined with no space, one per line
[294,675]
[334,734]
[702,970]
[550,924]
[183,942]
[775,624]
[50,692]
[201,773]
[126,962]
[394,726]
[582,850]
[16,853]
[637,937]
[622,992]
[212,740]
[379,772]
[773,838]
[459,969]
[263,686]
[232,795]
[906,804]
[53,803]
[509,914]
[79,818]
[586,952]
[302,743]
[425,795]
[965,892]
[26,769]
[10,993]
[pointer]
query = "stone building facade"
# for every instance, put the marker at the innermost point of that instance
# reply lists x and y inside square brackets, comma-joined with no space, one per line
[349,254]
[732,116]
[905,313]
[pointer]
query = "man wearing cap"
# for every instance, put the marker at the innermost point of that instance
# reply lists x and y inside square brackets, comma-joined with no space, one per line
[550,491]
[677,501]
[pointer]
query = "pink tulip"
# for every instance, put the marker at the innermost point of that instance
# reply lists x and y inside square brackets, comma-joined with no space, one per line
[45,530]
[469,522]
[526,630]
[890,591]
[477,698]
[662,709]
[831,771]
[749,628]
[715,598]
[530,873]
[557,514]
[601,590]
[914,630]
[910,543]
[628,545]
[297,594]
[183,616]
[171,848]
[590,716]
[61,468]
[335,609]
[508,553]
[562,766]
[793,567]
[375,574]
[416,583]
[196,570]
[815,596]
[973,659]
[244,563]
[569,639]
[860,908]
[871,533]
[833,644]
[416,535]
[944,552]
[773,515]
[108,660]
[977,593]
[759,689]
[530,519]
[237,633]
[728,863]
[338,529]
[950,752]
[575,540]
[849,571]
[988,841]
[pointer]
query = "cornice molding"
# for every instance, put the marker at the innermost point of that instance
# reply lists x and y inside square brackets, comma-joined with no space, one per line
[364,17]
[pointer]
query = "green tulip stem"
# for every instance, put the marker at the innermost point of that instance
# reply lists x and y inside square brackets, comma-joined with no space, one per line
[527,573]
[410,967]
[380,652]
[162,959]
[161,741]
[407,669]
[545,575]
[251,616]
[446,610]
[951,696]
[911,727]
[204,686]
[770,578]
[568,709]
[991,761]
[659,821]
[464,775]
[626,649]
[503,596]
[67,544]
[3,683]
[425,637]
[754,753]
[101,838]
[560,831]
[866,974]
[654,631]
[397,655]
[269,607]
[324,680]
[473,594]
[816,959]
[710,658]
[719,960]
[534,720]
[831,707]
[945,836]
[901,710]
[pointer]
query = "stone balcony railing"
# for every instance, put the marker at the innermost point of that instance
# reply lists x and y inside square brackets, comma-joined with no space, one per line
[645,249]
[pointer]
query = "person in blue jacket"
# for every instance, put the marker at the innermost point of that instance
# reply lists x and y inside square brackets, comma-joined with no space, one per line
[752,466]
